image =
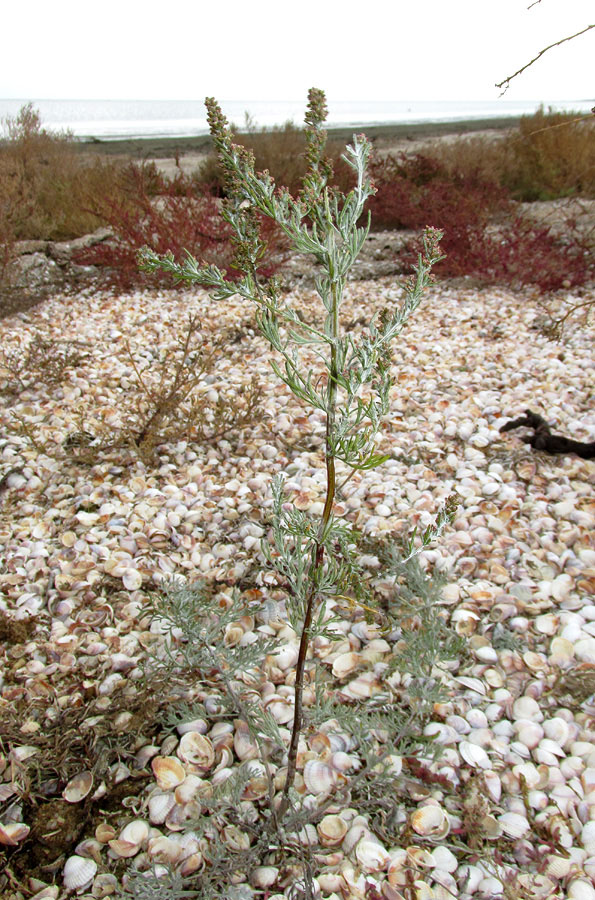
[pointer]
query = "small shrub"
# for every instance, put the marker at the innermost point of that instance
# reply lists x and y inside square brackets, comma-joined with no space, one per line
[517,253]
[164,402]
[176,217]
[45,182]
[42,360]
[549,155]
[412,190]
[552,155]
[313,562]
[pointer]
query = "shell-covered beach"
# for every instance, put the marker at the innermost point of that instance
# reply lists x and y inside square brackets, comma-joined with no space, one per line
[95,781]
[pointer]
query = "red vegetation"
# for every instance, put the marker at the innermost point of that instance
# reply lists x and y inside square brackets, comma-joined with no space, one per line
[176,216]
[482,235]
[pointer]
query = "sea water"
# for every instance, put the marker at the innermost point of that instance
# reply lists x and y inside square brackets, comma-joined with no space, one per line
[125,119]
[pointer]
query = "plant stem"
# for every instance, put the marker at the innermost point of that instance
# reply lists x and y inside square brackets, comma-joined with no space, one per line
[318,555]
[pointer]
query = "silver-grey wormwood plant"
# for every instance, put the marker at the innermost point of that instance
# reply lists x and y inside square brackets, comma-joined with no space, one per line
[316,560]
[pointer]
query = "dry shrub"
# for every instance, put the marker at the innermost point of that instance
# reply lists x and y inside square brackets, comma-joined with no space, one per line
[549,155]
[46,182]
[166,398]
[42,360]
[553,155]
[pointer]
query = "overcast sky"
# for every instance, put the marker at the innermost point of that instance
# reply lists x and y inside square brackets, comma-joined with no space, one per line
[276,49]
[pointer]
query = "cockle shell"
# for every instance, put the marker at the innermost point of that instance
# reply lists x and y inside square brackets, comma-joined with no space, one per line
[131,839]
[364,686]
[319,777]
[12,833]
[493,784]
[320,743]
[189,788]
[430,821]
[371,855]
[257,785]
[169,771]
[193,725]
[331,830]
[243,743]
[191,864]
[513,824]
[285,656]
[105,832]
[345,664]
[474,755]
[281,709]
[399,868]
[264,876]
[105,885]
[419,857]
[159,806]
[78,787]
[163,849]
[132,579]
[196,750]
[580,890]
[78,872]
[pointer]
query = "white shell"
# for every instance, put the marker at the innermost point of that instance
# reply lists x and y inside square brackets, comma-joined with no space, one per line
[159,806]
[196,749]
[474,755]
[169,772]
[264,876]
[345,664]
[105,885]
[371,855]
[443,859]
[78,872]
[78,787]
[319,777]
[243,744]
[430,821]
[580,890]
[131,839]
[331,830]
[12,833]
[493,784]
[285,656]
[132,580]
[513,824]
[163,849]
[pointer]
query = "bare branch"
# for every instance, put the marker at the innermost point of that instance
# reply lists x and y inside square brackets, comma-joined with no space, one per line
[505,84]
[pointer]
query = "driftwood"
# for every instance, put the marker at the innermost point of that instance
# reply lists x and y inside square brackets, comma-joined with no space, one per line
[543,439]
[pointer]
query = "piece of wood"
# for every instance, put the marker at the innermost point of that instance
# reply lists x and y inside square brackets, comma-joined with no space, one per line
[543,439]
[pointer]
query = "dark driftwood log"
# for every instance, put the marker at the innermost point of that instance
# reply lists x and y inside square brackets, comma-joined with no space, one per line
[543,439]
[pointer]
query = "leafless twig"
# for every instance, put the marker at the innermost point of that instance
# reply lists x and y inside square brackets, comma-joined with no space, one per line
[505,84]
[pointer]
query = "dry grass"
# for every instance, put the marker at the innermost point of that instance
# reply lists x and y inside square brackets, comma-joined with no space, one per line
[46,183]
[549,155]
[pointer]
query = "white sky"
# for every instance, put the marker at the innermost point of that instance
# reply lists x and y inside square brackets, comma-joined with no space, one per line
[276,49]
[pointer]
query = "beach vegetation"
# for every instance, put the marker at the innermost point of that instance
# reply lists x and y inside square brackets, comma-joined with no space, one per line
[176,216]
[45,182]
[313,560]
[548,156]
[281,151]
[165,396]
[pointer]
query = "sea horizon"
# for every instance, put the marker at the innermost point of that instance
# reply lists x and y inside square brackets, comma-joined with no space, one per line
[137,119]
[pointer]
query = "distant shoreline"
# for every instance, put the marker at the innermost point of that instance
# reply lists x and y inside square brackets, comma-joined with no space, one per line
[168,147]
